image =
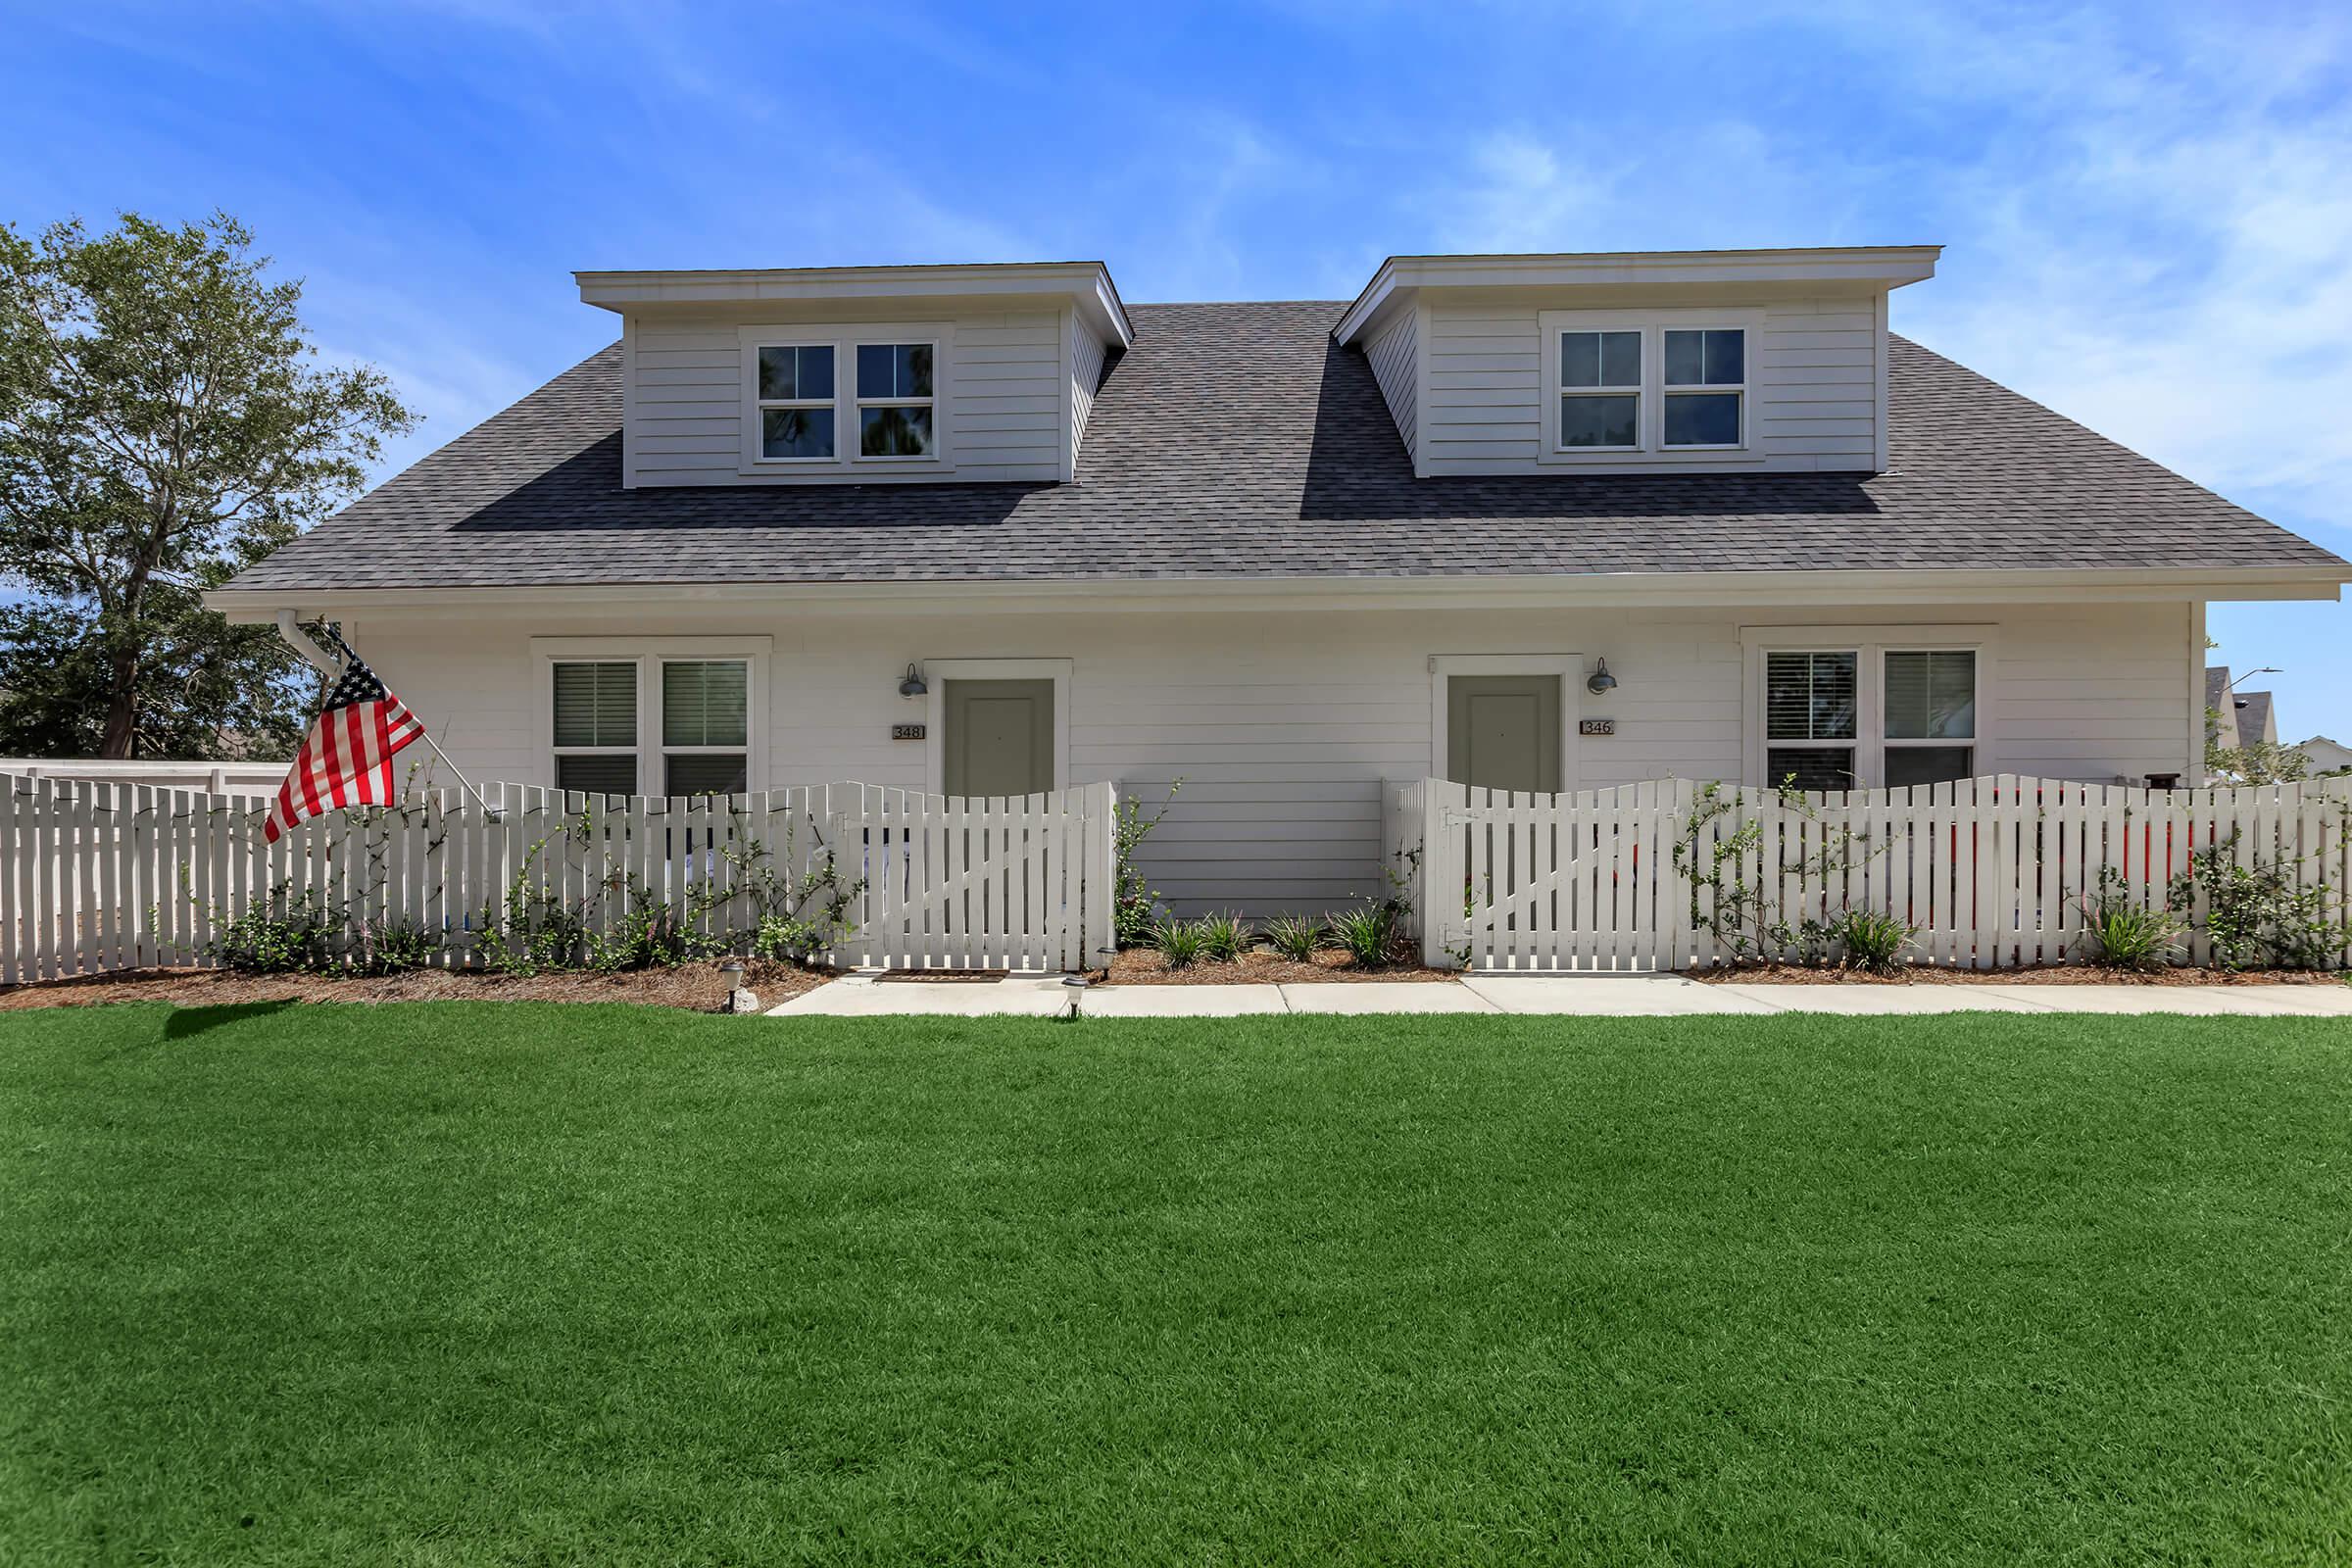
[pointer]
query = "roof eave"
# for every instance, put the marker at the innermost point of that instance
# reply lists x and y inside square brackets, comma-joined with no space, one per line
[1888,585]
[1087,283]
[1867,267]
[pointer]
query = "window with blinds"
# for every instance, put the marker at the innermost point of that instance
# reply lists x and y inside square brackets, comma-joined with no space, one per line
[1812,718]
[596,726]
[705,726]
[1930,710]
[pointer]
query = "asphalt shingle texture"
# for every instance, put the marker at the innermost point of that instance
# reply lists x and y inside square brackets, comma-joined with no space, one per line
[1238,441]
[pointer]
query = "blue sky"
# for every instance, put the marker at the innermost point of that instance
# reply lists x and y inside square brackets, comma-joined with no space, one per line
[2148,210]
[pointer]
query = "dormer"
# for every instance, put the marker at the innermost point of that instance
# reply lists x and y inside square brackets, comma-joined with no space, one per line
[1659,362]
[859,375]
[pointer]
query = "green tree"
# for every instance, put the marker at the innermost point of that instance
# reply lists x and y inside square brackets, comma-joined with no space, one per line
[162,424]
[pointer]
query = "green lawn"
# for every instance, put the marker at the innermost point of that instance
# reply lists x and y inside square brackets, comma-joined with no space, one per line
[499,1283]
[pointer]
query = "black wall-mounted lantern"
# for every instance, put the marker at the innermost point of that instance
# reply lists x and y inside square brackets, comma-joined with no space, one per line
[912,686]
[1602,682]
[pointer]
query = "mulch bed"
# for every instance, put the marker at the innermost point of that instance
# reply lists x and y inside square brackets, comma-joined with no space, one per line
[696,987]
[1145,967]
[2054,974]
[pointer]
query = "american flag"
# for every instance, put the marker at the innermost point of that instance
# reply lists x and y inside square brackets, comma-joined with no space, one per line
[346,759]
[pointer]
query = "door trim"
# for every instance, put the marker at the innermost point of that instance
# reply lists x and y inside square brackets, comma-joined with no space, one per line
[1569,667]
[937,672]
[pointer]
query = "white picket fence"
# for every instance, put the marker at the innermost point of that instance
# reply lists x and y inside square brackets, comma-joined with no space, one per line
[1990,872]
[99,876]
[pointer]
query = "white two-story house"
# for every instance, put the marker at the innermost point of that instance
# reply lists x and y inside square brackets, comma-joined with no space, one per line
[1540,523]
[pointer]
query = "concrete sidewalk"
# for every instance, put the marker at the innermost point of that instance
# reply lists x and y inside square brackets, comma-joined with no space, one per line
[1591,996]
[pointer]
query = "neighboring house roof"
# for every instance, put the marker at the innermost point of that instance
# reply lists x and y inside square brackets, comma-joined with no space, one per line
[2254,718]
[1238,441]
[2220,713]
[2326,755]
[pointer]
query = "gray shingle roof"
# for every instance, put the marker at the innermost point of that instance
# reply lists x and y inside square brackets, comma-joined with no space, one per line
[1238,441]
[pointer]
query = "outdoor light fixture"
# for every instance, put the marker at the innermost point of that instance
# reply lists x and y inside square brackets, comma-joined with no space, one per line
[912,686]
[1602,682]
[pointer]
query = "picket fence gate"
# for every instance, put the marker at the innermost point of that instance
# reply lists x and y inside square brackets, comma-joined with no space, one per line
[1991,872]
[102,876]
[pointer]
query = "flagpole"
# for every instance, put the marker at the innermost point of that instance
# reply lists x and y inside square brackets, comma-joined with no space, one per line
[291,631]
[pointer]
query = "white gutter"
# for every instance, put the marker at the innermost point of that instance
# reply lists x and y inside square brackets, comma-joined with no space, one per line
[1880,586]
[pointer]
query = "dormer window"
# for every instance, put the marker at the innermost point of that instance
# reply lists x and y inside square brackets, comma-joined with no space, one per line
[895,400]
[839,403]
[796,402]
[1707,386]
[1630,386]
[1600,391]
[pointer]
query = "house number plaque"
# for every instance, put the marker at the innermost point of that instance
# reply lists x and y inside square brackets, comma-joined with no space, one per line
[1596,727]
[905,732]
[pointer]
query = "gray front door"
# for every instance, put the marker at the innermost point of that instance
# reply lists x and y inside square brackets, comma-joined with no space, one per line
[1502,732]
[999,738]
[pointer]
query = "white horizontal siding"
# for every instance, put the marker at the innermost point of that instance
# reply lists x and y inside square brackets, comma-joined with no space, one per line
[1396,366]
[1004,409]
[1812,369]
[1283,724]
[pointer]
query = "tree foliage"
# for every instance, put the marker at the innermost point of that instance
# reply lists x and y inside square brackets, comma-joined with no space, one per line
[164,422]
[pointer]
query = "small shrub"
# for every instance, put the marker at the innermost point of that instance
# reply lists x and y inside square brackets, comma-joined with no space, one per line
[397,946]
[2119,933]
[1874,942]
[2259,916]
[1180,942]
[1294,937]
[283,933]
[1134,907]
[1368,934]
[1223,937]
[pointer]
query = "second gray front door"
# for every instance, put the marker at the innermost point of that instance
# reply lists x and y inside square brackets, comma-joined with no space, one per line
[999,738]
[1502,732]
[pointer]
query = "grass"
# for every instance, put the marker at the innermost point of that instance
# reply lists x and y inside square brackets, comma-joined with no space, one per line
[464,1283]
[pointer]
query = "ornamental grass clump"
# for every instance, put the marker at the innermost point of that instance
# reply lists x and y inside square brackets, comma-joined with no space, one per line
[1874,942]
[1181,942]
[2120,934]
[1223,937]
[1368,934]
[1294,937]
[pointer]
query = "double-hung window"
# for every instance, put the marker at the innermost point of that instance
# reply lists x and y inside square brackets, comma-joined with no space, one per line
[1869,713]
[1812,719]
[796,402]
[655,725]
[1668,383]
[832,402]
[1706,373]
[705,726]
[895,400]
[1600,391]
[595,725]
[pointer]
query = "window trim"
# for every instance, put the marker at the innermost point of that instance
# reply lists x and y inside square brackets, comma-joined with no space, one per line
[1737,388]
[1654,326]
[649,655]
[1561,391]
[1872,643]
[860,402]
[756,433]
[842,338]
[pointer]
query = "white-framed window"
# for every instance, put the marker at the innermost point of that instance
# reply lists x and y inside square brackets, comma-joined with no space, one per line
[1601,390]
[795,394]
[822,402]
[1704,371]
[1659,382]
[1866,707]
[653,716]
[896,397]
[594,708]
